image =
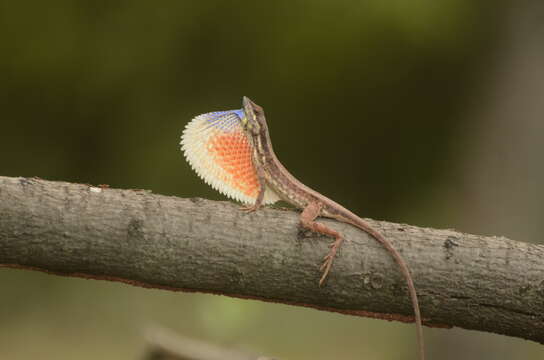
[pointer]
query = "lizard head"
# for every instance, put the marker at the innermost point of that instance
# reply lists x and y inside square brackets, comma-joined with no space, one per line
[254,122]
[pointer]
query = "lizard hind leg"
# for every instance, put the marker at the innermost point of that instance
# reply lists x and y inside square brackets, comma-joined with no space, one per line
[307,220]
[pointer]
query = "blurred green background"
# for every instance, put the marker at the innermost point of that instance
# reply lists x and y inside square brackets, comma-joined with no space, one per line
[423,112]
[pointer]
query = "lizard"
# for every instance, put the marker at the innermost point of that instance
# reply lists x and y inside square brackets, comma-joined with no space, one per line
[232,152]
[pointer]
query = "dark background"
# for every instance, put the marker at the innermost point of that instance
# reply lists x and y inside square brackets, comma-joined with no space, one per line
[422,112]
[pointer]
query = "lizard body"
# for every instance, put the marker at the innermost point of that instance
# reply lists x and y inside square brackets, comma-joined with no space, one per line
[249,171]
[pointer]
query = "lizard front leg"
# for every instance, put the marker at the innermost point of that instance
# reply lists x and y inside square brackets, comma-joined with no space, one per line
[307,217]
[260,196]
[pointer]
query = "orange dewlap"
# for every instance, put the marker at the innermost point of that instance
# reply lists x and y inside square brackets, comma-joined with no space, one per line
[217,148]
[232,153]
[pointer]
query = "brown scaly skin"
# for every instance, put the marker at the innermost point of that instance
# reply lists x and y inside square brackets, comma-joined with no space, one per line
[273,174]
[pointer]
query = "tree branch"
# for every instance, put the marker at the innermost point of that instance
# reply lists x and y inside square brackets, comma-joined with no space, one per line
[475,282]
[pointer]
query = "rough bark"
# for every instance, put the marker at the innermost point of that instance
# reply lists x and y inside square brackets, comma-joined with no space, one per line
[475,282]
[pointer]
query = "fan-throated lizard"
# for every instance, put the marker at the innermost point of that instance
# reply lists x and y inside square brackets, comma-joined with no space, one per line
[232,152]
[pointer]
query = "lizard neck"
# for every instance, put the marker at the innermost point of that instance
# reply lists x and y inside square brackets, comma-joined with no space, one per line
[287,187]
[276,176]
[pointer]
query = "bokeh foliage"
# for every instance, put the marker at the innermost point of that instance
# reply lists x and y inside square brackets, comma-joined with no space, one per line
[363,100]
[99,91]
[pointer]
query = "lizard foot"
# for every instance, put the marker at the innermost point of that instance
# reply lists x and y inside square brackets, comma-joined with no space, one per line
[329,258]
[249,208]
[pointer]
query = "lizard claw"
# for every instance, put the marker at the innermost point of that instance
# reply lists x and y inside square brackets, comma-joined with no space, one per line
[328,260]
[325,268]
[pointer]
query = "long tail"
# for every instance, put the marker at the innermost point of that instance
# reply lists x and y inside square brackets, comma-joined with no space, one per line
[405,271]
